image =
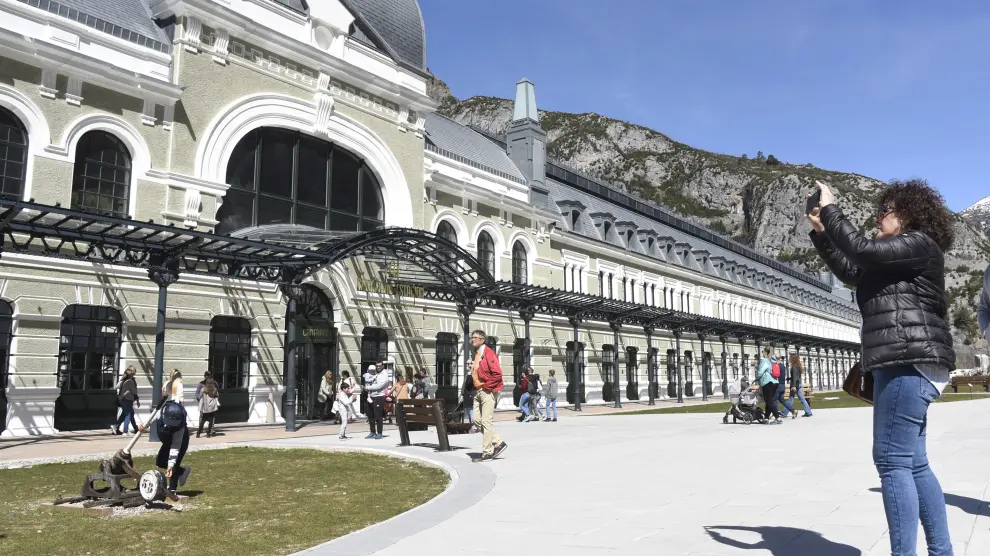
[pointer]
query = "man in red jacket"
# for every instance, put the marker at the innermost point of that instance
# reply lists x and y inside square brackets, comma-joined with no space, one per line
[487,375]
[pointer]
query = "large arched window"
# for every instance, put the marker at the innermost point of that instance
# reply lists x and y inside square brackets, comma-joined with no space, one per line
[13,155]
[519,264]
[101,181]
[446,231]
[281,176]
[486,251]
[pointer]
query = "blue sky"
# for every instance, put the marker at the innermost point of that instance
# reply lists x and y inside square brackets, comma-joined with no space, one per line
[881,88]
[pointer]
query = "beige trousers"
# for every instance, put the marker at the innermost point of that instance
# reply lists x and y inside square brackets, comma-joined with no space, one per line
[484,414]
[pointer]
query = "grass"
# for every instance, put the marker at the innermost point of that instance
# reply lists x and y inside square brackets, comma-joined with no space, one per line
[246,501]
[819,402]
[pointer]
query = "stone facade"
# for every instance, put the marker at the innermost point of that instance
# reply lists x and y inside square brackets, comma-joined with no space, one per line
[224,87]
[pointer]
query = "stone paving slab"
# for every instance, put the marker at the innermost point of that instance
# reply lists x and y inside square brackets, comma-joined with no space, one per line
[686,484]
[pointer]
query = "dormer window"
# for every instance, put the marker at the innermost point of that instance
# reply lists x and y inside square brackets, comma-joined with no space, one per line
[571,211]
[629,236]
[605,227]
[574,217]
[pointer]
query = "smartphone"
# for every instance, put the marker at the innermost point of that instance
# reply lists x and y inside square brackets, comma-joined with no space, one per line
[813,201]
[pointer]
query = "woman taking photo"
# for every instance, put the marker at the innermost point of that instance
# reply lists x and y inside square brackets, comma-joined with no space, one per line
[907,346]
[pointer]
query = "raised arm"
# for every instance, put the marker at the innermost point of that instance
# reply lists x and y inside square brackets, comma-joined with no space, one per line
[902,252]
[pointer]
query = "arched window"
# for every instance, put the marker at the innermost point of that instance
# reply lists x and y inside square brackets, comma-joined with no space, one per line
[13,155]
[446,231]
[486,251]
[230,351]
[446,371]
[281,176]
[101,181]
[519,264]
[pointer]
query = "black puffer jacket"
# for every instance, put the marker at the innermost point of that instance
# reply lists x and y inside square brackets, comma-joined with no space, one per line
[900,288]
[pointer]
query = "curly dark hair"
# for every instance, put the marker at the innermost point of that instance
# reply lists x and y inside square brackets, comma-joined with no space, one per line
[920,207]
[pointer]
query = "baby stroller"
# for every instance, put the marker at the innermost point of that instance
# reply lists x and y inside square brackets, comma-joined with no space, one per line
[745,403]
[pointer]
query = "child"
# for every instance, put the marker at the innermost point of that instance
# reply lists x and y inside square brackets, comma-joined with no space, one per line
[550,394]
[345,404]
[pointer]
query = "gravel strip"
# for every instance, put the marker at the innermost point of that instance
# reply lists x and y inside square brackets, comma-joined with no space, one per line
[19,464]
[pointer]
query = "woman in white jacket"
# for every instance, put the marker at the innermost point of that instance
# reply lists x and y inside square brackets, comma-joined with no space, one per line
[325,396]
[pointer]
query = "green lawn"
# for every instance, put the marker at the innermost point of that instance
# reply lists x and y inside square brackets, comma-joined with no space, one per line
[244,501]
[819,402]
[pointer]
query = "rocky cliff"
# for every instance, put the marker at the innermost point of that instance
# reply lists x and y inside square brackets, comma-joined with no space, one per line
[757,199]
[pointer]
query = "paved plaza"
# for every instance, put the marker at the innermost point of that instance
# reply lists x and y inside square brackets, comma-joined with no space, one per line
[666,484]
[682,484]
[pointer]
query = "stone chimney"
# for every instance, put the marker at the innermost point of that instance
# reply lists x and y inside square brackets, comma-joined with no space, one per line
[527,142]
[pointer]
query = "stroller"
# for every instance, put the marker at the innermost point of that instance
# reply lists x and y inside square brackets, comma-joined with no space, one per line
[745,403]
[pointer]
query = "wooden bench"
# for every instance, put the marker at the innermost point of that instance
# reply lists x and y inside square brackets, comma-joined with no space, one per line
[983,381]
[425,412]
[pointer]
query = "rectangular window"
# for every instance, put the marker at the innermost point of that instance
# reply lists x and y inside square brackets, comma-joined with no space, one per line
[230,351]
[446,359]
[277,147]
[312,180]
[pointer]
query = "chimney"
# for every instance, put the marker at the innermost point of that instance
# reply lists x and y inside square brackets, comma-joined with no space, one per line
[527,142]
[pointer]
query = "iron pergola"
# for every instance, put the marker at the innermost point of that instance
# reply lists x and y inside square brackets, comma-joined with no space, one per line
[287,254]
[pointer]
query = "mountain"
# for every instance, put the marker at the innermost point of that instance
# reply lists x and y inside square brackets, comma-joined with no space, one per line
[979,215]
[757,200]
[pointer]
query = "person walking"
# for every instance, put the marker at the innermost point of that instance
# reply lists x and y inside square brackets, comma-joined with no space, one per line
[325,397]
[906,341]
[377,389]
[486,372]
[208,398]
[983,309]
[127,398]
[401,389]
[524,398]
[345,404]
[782,376]
[467,400]
[768,385]
[550,394]
[796,386]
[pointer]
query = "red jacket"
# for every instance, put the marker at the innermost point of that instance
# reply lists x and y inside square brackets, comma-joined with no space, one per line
[490,371]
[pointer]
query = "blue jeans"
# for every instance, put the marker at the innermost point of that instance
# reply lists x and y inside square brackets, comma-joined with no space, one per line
[781,393]
[804,402]
[910,490]
[126,415]
[552,403]
[524,403]
[469,412]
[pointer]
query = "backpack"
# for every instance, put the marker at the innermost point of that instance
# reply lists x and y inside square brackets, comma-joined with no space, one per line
[775,370]
[534,385]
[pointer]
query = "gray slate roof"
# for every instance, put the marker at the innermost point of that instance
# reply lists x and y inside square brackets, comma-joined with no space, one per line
[466,143]
[127,19]
[399,25]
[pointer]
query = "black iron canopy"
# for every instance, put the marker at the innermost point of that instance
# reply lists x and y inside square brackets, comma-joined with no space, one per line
[288,253]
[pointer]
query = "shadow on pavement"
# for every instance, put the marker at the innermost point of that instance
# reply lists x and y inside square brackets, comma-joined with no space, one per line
[964,503]
[784,541]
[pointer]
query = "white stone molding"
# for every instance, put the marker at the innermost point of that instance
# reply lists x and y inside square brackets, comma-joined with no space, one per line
[269,109]
[323,84]
[47,88]
[148,113]
[193,205]
[324,109]
[221,47]
[73,92]
[30,411]
[454,219]
[168,118]
[193,30]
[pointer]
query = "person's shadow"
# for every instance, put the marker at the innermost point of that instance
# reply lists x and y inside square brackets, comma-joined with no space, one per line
[969,505]
[784,541]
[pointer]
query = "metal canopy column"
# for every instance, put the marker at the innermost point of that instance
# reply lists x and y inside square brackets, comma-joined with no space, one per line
[651,370]
[704,370]
[527,316]
[677,367]
[616,375]
[725,369]
[290,358]
[465,309]
[818,361]
[576,364]
[164,276]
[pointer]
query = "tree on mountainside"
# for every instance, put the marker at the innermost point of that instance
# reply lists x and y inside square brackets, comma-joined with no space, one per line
[759,156]
[772,161]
